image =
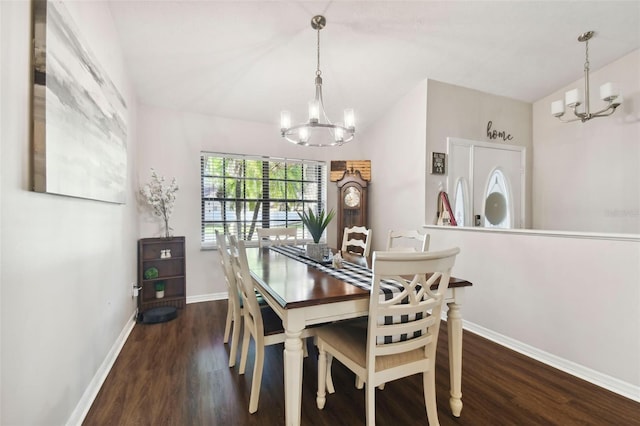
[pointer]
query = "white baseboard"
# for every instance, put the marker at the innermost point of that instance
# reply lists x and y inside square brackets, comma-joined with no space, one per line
[81,410]
[610,383]
[83,406]
[207,297]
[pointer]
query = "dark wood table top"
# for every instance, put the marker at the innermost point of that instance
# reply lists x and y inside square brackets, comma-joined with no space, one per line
[294,284]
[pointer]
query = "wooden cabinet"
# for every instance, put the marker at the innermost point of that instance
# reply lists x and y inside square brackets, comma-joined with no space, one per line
[167,256]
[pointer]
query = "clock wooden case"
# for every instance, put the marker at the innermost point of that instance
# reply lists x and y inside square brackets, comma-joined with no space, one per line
[352,202]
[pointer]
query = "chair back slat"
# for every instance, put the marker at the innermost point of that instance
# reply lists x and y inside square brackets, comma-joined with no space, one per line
[357,237]
[408,240]
[277,236]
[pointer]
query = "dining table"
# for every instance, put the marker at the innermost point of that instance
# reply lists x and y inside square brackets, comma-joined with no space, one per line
[304,292]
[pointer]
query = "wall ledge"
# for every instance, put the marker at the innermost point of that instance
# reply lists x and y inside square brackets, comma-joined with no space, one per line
[542,233]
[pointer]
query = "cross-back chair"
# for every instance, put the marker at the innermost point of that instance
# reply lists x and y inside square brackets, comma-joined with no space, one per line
[277,236]
[389,350]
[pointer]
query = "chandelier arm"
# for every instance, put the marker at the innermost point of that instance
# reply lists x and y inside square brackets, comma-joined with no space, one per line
[291,129]
[579,115]
[570,120]
[298,142]
[610,109]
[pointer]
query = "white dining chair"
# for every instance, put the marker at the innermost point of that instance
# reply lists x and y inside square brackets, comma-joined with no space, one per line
[234,307]
[235,310]
[357,240]
[408,240]
[277,236]
[383,351]
[260,322]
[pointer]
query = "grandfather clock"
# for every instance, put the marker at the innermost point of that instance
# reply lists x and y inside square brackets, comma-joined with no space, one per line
[352,202]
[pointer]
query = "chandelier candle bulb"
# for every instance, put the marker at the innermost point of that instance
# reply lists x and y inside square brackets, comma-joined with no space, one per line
[303,134]
[285,120]
[339,135]
[349,119]
[573,98]
[314,111]
[608,92]
[557,108]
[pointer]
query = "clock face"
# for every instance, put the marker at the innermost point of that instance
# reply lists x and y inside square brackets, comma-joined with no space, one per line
[352,197]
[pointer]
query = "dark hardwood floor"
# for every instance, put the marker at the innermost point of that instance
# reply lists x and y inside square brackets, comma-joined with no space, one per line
[176,373]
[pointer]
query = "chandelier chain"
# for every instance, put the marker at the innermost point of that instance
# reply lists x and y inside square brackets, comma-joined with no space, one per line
[318,72]
[586,55]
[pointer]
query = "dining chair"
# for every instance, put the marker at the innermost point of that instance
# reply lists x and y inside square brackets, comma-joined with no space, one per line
[235,309]
[260,322]
[408,240]
[277,236]
[234,306]
[357,239]
[389,350]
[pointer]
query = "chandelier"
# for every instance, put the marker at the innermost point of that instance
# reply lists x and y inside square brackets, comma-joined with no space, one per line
[313,132]
[574,98]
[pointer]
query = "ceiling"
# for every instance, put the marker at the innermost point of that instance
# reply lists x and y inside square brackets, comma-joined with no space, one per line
[249,60]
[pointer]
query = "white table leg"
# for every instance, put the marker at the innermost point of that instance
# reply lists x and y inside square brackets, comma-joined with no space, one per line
[454,328]
[293,377]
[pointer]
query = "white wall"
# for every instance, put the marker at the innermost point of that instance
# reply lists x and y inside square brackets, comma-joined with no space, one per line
[67,264]
[571,302]
[171,141]
[587,175]
[395,145]
[574,298]
[454,111]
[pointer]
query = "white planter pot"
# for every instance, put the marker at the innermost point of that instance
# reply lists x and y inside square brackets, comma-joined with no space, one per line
[159,294]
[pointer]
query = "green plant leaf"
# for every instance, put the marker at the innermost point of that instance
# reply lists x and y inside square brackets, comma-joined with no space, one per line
[316,224]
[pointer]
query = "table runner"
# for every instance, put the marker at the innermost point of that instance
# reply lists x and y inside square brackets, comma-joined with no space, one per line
[359,276]
[351,273]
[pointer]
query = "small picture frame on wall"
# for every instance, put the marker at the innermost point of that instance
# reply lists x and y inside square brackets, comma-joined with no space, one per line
[438,163]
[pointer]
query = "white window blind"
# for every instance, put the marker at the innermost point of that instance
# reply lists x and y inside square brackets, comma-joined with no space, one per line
[243,193]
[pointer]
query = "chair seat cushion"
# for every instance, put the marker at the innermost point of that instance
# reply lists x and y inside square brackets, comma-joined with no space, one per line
[271,321]
[259,297]
[350,339]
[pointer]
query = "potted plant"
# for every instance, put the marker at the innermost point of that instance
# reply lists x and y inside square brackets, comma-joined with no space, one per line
[159,289]
[316,224]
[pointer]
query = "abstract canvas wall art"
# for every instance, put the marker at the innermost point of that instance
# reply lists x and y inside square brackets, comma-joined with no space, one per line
[79,125]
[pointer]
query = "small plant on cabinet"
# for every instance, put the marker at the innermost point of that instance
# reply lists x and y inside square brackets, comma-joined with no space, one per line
[159,289]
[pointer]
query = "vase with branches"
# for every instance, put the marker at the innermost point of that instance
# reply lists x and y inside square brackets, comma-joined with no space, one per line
[161,198]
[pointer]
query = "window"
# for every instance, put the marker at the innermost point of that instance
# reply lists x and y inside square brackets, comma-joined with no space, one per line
[497,210]
[460,202]
[243,193]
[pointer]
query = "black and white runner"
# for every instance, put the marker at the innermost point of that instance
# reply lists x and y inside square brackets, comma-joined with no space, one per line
[351,273]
